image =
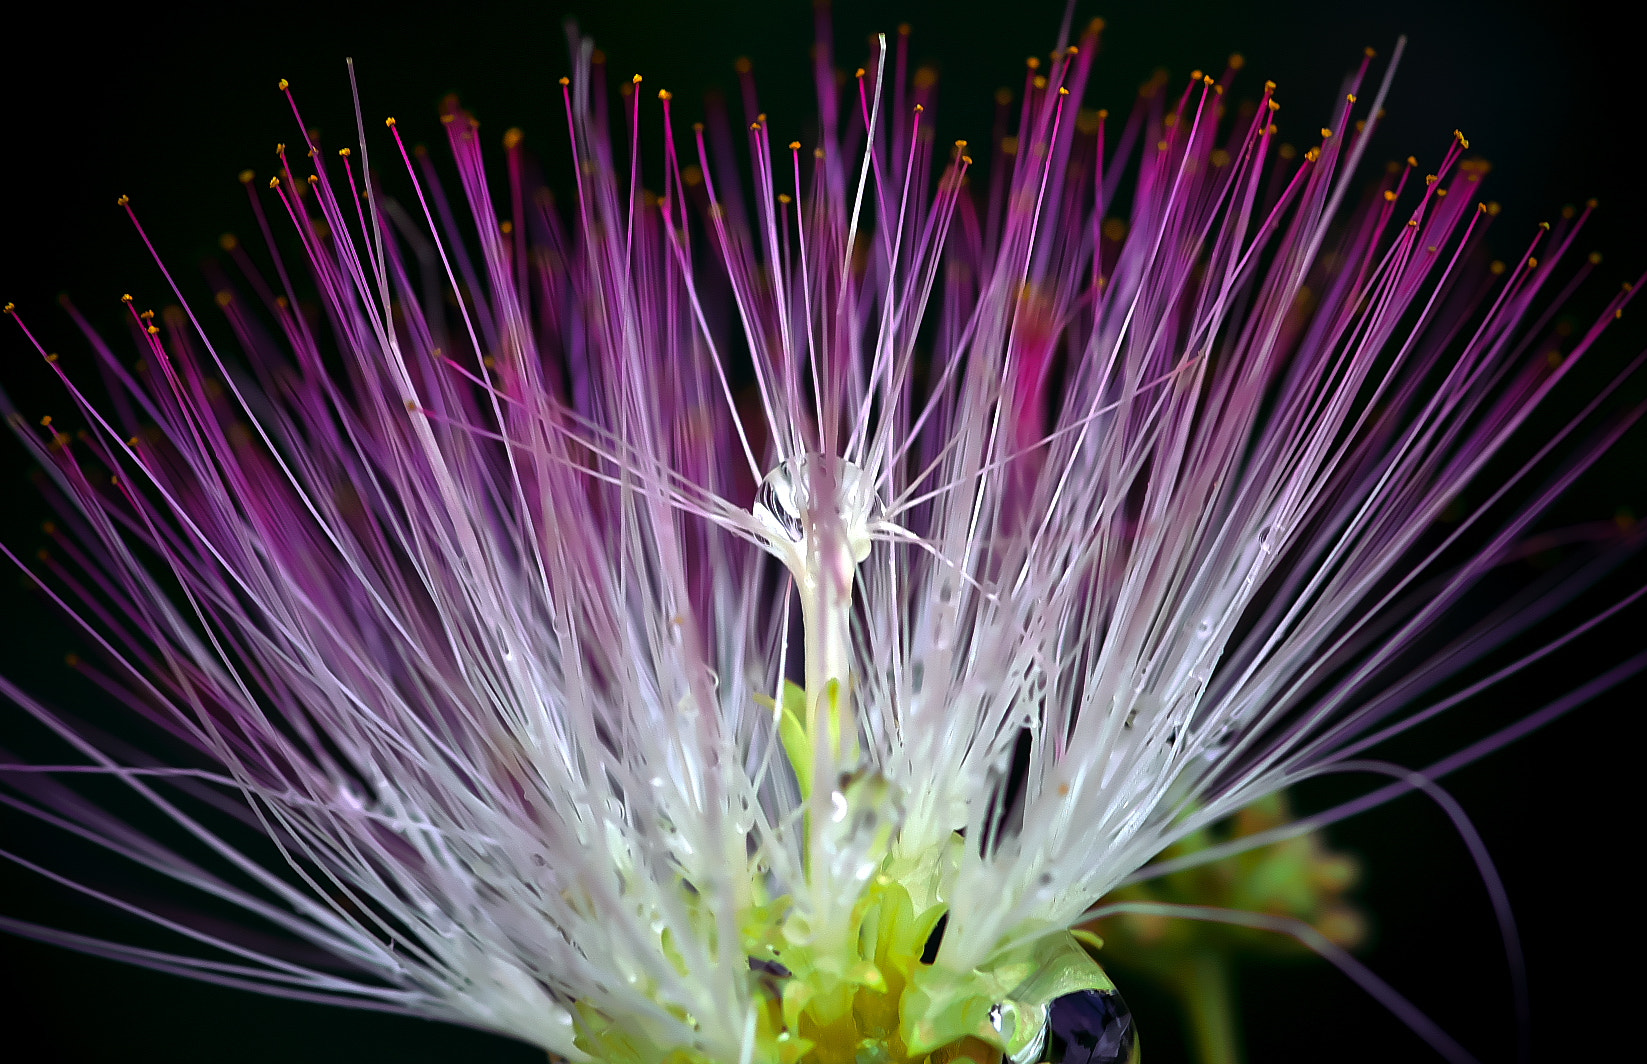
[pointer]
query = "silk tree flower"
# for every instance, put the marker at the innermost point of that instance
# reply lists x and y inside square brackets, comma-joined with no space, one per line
[686,627]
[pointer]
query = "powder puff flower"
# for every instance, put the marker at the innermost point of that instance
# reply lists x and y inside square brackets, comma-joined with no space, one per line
[692,627]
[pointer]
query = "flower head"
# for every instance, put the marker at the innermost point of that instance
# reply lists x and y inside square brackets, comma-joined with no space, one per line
[670,627]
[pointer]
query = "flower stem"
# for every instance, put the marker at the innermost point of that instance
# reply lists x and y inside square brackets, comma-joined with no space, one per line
[1207,993]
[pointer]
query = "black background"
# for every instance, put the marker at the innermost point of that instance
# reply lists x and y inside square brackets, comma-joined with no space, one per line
[168,104]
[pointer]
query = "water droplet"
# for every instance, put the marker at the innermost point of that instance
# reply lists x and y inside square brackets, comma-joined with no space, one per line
[1090,1027]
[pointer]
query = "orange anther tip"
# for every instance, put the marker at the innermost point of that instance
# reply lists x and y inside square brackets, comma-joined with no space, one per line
[1062,91]
[860,73]
[742,64]
[636,80]
[919,108]
[512,137]
[1325,132]
[313,179]
[1369,52]
[127,298]
[1350,97]
[903,29]
[154,329]
[284,84]
[390,122]
[274,182]
[794,145]
[967,159]
[960,144]
[1072,50]
[1590,203]
[122,201]
[1034,63]
[1389,195]
[10,308]
[665,94]
[565,81]
[1412,160]
[1544,225]
[1207,79]
[280,149]
[1269,86]
[1103,113]
[344,152]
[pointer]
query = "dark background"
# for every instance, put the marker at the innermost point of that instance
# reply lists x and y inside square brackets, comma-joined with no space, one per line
[167,105]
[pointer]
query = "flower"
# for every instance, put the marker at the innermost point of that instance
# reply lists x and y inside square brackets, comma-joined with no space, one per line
[488,607]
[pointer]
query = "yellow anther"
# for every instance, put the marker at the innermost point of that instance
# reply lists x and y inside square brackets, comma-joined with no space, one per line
[122,201]
[390,122]
[284,84]
[1350,97]
[1389,195]
[794,145]
[636,80]
[1326,134]
[274,182]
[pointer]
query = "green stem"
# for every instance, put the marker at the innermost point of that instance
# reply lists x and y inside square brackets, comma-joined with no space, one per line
[1208,995]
